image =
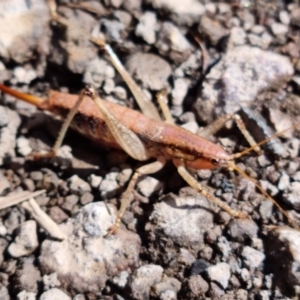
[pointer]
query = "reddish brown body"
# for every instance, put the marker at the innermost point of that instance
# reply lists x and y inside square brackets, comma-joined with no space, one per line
[170,140]
[89,122]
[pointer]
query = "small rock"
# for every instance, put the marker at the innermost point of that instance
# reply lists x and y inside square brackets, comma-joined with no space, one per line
[234,79]
[237,36]
[172,43]
[279,29]
[24,76]
[51,281]
[149,185]
[97,71]
[4,185]
[266,209]
[121,280]
[3,245]
[86,198]
[242,229]
[109,185]
[20,38]
[14,219]
[224,247]
[258,29]
[206,253]
[184,220]
[263,295]
[95,181]
[196,286]
[295,16]
[219,273]
[187,12]
[143,279]
[23,146]
[284,17]
[120,92]
[212,29]
[252,258]
[167,289]
[78,261]
[54,294]
[213,234]
[26,240]
[245,275]
[113,29]
[292,195]
[241,294]
[3,230]
[57,214]
[109,86]
[284,182]
[180,90]
[198,267]
[29,184]
[36,176]
[25,296]
[4,119]
[151,70]
[215,292]
[8,133]
[78,186]
[28,276]
[69,202]
[147,27]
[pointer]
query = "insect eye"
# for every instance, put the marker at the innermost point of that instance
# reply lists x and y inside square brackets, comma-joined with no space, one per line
[215,161]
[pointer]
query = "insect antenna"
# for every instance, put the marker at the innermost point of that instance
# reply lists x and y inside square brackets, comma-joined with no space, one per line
[233,166]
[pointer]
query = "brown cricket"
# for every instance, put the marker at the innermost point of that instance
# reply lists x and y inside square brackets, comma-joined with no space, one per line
[142,138]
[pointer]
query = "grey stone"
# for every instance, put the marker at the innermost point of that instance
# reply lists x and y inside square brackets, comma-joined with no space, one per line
[28,276]
[26,296]
[279,29]
[292,195]
[54,293]
[78,186]
[184,220]
[187,12]
[284,17]
[252,258]
[78,261]
[143,279]
[236,74]
[146,28]
[151,70]
[242,229]
[51,281]
[223,246]
[4,185]
[26,240]
[97,71]
[284,181]
[180,90]
[219,273]
[149,185]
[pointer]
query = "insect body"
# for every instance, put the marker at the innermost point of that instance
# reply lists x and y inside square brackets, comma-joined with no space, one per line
[140,135]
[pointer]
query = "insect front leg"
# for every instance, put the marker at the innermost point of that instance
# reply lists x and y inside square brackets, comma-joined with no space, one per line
[184,173]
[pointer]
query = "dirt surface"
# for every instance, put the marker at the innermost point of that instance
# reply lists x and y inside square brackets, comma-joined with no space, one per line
[212,58]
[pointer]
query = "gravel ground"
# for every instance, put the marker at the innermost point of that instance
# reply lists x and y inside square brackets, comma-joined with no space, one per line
[212,58]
